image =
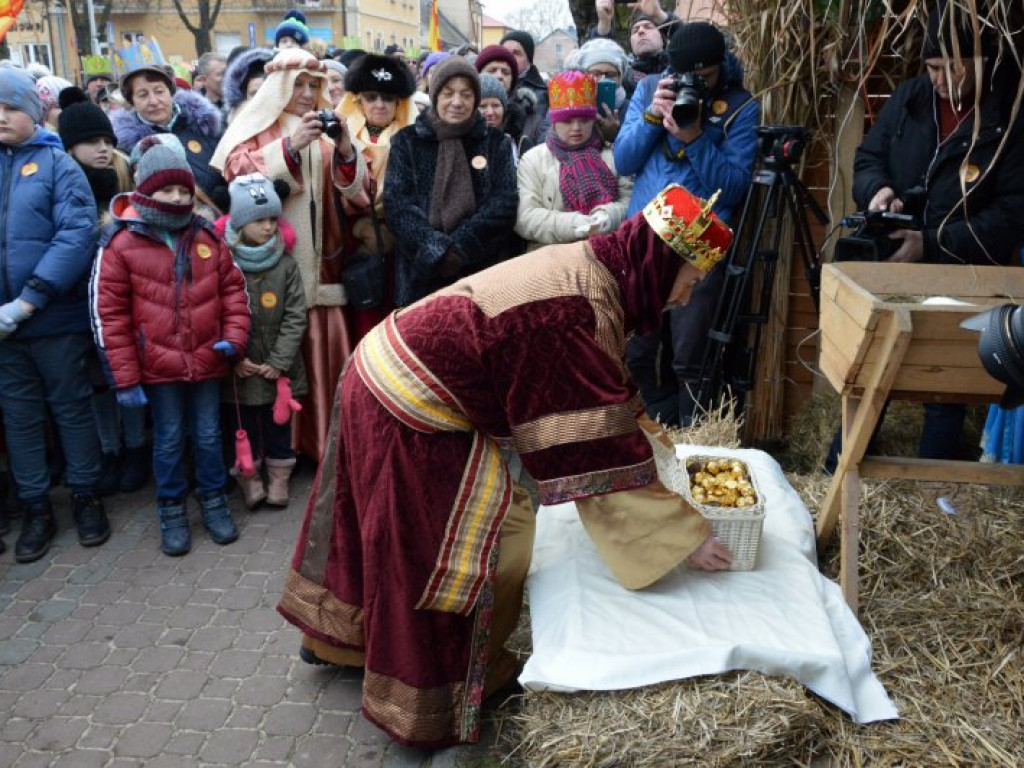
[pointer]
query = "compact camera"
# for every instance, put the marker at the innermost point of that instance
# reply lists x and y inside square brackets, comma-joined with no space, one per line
[691,90]
[329,123]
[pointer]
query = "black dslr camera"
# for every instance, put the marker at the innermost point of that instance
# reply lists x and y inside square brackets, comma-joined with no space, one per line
[691,90]
[329,123]
[870,240]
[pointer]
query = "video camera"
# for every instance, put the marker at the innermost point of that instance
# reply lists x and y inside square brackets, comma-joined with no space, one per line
[691,90]
[782,143]
[870,240]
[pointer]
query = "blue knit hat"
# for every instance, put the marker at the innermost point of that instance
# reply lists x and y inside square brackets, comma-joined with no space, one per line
[18,91]
[293,25]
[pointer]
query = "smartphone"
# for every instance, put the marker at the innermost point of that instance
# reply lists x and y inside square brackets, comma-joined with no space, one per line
[606,95]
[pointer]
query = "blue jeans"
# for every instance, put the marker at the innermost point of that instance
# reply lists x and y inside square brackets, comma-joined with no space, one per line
[36,373]
[185,408]
[112,420]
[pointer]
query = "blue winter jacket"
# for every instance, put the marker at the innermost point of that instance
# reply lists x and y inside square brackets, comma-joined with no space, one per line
[47,235]
[722,158]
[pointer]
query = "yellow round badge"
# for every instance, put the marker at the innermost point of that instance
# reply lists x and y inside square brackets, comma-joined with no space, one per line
[204,251]
[719,107]
[195,146]
[28,169]
[479,162]
[969,173]
[268,299]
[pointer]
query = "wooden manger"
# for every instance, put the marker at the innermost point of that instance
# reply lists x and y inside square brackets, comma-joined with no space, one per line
[880,341]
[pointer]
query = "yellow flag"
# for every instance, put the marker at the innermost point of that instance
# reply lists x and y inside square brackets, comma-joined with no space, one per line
[434,31]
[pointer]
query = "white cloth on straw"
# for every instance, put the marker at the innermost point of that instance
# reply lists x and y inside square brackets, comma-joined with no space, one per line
[783,618]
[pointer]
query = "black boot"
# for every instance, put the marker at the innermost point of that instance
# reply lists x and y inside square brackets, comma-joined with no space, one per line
[37,531]
[110,475]
[135,469]
[90,519]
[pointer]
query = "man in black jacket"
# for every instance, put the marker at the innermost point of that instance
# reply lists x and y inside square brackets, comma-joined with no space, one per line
[974,187]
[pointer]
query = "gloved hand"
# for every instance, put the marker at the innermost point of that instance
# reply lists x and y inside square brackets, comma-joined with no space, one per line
[12,314]
[226,348]
[131,397]
[602,222]
[582,225]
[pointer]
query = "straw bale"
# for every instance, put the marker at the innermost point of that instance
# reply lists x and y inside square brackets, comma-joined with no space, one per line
[942,599]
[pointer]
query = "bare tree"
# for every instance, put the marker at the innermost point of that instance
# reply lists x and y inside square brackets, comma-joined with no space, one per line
[541,18]
[79,11]
[202,29]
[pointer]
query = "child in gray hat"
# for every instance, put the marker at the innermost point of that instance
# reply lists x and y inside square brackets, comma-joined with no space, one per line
[272,371]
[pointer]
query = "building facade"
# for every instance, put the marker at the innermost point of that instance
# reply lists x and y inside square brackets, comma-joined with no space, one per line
[553,49]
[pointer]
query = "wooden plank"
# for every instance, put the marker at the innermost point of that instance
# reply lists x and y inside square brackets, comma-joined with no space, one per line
[954,280]
[849,544]
[949,353]
[897,333]
[978,473]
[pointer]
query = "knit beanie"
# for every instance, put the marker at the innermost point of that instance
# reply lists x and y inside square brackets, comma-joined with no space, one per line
[948,38]
[572,95]
[492,88]
[333,65]
[169,140]
[18,91]
[159,167]
[252,198]
[49,87]
[80,120]
[524,39]
[455,66]
[293,25]
[601,51]
[498,53]
[435,57]
[696,45]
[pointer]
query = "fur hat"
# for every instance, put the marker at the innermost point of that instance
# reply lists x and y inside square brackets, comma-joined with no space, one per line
[159,167]
[293,25]
[252,198]
[500,53]
[240,71]
[450,68]
[525,39]
[18,91]
[492,88]
[380,74]
[696,45]
[80,120]
[348,57]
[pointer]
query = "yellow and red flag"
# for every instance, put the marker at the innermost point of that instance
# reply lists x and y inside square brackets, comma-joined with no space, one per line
[9,10]
[433,31]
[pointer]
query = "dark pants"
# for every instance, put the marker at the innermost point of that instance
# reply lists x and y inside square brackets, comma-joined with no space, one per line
[666,364]
[267,439]
[40,373]
[940,437]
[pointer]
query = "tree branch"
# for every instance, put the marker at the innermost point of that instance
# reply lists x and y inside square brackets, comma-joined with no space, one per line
[184,19]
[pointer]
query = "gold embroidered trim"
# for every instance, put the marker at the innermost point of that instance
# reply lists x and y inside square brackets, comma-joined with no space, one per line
[318,609]
[416,714]
[575,427]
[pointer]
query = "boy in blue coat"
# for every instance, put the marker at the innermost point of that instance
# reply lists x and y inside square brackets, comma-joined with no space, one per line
[47,243]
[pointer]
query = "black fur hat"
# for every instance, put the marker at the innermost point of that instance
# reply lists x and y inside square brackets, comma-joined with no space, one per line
[380,74]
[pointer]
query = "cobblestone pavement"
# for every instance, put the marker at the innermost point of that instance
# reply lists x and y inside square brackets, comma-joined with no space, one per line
[121,656]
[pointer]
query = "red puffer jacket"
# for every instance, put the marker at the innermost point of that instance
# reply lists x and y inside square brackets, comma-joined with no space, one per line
[151,328]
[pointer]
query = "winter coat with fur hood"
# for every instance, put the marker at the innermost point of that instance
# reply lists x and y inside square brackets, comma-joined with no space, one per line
[198,126]
[153,326]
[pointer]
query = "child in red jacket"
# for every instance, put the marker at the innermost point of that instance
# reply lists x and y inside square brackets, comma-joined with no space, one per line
[170,315]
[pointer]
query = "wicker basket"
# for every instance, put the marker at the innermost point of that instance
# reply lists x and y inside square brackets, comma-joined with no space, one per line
[738,528]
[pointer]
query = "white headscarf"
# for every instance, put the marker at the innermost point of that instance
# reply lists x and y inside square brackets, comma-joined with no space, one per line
[268,104]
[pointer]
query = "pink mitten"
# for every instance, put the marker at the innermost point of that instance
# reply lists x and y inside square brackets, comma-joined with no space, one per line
[285,403]
[243,455]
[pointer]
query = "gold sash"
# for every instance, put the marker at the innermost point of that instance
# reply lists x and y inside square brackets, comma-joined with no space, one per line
[414,396]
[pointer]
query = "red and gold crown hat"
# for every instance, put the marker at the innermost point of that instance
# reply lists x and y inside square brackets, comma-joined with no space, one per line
[689,226]
[571,95]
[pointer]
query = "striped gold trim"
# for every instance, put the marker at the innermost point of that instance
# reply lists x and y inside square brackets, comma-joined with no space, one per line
[575,427]
[315,607]
[595,483]
[419,715]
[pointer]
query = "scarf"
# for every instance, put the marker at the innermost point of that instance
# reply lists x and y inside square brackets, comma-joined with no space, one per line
[451,198]
[585,179]
[103,183]
[644,268]
[254,258]
[160,215]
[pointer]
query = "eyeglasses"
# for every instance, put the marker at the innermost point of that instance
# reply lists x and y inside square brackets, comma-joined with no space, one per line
[601,74]
[369,98]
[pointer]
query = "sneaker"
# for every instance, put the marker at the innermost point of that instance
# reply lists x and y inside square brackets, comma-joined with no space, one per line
[90,519]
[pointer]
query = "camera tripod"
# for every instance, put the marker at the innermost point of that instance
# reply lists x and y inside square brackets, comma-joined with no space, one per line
[776,195]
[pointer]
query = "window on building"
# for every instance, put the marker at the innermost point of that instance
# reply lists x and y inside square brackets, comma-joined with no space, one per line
[558,49]
[36,53]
